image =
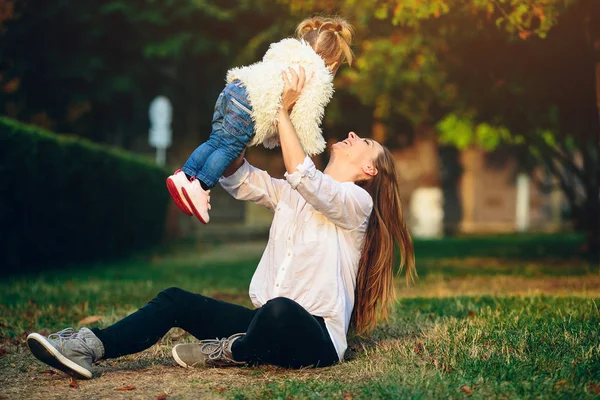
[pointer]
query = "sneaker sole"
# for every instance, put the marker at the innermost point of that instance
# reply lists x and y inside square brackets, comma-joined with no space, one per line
[45,352]
[172,187]
[191,203]
[177,359]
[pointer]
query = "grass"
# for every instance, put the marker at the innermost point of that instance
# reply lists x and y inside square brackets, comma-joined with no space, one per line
[495,317]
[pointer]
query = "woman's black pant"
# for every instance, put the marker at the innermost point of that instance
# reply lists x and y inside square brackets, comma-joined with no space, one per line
[281,332]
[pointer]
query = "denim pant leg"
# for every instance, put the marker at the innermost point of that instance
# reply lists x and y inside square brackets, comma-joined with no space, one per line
[232,130]
[198,158]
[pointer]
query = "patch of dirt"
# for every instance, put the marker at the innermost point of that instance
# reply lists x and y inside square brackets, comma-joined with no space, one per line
[587,285]
[146,375]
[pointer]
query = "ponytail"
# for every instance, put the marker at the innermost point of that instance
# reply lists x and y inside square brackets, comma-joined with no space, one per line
[330,37]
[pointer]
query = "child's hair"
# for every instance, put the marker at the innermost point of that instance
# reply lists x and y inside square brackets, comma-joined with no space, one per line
[330,37]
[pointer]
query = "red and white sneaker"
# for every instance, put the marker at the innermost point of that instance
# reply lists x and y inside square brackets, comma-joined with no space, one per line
[175,183]
[198,199]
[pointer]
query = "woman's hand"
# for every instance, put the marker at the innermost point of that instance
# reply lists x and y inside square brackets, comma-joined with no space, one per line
[292,87]
[235,165]
[292,151]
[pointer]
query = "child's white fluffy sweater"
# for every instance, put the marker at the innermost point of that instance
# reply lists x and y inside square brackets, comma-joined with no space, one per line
[264,86]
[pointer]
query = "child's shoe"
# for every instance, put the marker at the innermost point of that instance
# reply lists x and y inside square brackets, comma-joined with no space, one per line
[198,199]
[175,183]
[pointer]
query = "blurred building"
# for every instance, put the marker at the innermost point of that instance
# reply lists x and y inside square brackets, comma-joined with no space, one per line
[444,191]
[481,192]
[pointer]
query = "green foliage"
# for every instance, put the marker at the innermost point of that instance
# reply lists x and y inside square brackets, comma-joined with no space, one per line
[500,345]
[115,57]
[463,132]
[68,200]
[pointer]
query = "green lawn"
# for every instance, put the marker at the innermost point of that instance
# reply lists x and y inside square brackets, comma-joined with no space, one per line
[500,317]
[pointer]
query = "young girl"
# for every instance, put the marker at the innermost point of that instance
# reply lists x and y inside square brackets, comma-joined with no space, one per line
[246,110]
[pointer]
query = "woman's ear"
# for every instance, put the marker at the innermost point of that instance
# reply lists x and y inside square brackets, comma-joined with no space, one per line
[369,170]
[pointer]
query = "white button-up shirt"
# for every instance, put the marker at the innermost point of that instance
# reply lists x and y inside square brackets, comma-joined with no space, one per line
[314,243]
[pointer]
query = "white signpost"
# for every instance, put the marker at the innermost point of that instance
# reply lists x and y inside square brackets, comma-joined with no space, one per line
[160,127]
[522,212]
[427,212]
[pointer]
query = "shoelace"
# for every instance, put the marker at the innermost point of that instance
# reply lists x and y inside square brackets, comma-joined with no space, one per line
[69,334]
[215,350]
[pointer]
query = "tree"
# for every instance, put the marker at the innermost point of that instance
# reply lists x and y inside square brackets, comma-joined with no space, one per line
[489,72]
[540,93]
[92,68]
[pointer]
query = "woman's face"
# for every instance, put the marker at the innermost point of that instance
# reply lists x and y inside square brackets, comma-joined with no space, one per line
[357,152]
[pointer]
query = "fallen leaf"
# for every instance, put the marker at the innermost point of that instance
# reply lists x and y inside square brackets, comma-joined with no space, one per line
[560,383]
[219,389]
[31,303]
[74,384]
[162,396]
[3,396]
[2,351]
[471,314]
[127,388]
[595,387]
[347,396]
[48,371]
[467,390]
[113,363]
[89,320]
[418,348]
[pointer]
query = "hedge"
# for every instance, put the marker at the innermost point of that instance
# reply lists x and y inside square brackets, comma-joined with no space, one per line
[68,200]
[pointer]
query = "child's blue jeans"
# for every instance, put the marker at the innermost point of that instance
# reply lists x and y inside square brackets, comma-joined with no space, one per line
[232,130]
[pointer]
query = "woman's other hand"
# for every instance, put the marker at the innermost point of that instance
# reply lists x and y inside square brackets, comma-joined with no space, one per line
[292,87]
[235,165]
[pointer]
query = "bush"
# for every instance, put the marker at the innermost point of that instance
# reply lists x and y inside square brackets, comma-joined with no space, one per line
[67,200]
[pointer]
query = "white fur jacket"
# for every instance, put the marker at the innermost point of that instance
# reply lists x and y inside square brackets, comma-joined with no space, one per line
[264,86]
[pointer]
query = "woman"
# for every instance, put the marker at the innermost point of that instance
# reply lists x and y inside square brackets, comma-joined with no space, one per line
[327,267]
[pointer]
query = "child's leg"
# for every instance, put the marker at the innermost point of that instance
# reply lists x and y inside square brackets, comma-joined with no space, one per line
[198,158]
[191,197]
[233,129]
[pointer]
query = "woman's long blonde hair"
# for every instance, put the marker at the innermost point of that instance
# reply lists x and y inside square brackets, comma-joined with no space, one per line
[330,37]
[374,294]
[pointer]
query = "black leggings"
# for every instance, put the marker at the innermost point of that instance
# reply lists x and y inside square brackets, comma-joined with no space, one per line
[280,333]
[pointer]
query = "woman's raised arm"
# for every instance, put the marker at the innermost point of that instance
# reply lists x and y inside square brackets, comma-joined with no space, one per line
[293,153]
[346,205]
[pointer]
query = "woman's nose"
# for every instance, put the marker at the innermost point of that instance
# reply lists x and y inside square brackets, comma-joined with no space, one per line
[352,135]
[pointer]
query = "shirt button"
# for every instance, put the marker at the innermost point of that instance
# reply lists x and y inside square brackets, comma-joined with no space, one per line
[278,208]
[289,238]
[277,285]
[289,254]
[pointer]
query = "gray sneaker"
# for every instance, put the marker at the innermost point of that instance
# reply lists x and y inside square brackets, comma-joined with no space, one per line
[212,352]
[69,351]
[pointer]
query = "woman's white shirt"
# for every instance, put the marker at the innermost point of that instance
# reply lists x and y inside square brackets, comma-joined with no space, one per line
[314,243]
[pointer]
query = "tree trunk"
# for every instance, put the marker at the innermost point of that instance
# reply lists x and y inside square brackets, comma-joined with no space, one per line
[592,164]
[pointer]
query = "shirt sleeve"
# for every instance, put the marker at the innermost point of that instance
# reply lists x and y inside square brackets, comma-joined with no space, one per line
[345,204]
[255,185]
